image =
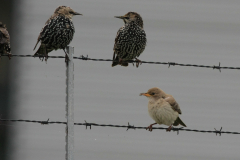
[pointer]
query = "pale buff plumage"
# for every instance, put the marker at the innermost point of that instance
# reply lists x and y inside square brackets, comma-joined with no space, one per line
[163,108]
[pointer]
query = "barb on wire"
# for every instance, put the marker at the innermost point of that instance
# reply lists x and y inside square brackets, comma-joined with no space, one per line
[130,127]
[45,122]
[131,61]
[121,126]
[177,129]
[84,58]
[171,63]
[217,67]
[87,124]
[218,132]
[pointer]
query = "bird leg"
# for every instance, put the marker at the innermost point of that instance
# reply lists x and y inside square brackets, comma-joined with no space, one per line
[45,55]
[120,61]
[66,56]
[9,56]
[169,128]
[138,61]
[150,127]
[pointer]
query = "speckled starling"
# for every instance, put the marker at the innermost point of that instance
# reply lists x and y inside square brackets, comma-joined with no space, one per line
[163,108]
[130,41]
[4,41]
[58,31]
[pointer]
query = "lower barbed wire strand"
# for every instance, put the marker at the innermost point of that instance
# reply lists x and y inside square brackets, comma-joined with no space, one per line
[118,126]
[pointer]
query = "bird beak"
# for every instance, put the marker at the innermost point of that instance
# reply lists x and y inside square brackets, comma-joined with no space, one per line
[145,94]
[76,13]
[121,17]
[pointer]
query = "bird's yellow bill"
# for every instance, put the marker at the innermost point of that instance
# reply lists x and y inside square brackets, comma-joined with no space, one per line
[145,94]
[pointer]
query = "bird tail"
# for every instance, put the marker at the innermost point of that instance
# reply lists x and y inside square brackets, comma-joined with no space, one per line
[116,61]
[179,121]
[42,50]
[124,64]
[36,44]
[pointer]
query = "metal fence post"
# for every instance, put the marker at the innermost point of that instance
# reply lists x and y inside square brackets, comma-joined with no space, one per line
[70,106]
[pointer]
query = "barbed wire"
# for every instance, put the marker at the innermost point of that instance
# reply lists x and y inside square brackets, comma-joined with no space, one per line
[218,67]
[128,126]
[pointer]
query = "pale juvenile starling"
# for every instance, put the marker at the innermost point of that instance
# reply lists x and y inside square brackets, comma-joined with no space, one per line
[163,108]
[4,41]
[58,31]
[130,41]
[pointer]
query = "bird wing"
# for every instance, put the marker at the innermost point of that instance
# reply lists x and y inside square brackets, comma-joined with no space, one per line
[173,103]
[4,36]
[37,42]
[46,25]
[117,39]
[1,36]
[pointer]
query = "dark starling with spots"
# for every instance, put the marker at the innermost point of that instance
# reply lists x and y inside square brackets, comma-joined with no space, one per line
[57,33]
[130,41]
[4,41]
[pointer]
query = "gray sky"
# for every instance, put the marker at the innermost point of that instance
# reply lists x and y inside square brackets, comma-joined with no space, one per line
[182,31]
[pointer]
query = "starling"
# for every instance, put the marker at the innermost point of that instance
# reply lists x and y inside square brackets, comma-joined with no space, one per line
[163,108]
[130,41]
[4,41]
[57,33]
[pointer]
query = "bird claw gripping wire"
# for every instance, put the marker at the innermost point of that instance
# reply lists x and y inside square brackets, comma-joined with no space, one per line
[88,124]
[130,127]
[171,63]
[217,67]
[177,129]
[218,132]
[84,58]
[45,122]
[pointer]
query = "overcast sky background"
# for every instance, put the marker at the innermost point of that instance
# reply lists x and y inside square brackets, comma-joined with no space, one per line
[182,31]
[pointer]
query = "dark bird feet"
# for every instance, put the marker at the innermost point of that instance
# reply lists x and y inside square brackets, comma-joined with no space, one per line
[138,61]
[123,63]
[169,128]
[41,56]
[9,56]
[66,56]
[150,127]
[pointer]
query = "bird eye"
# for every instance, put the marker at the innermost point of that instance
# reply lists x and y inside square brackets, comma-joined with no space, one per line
[126,17]
[71,12]
[152,93]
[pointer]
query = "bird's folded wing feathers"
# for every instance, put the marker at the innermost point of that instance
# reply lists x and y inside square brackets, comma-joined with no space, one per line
[36,44]
[116,45]
[173,103]
[5,36]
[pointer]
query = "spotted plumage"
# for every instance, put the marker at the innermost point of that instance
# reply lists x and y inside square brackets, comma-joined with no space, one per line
[4,41]
[58,31]
[130,41]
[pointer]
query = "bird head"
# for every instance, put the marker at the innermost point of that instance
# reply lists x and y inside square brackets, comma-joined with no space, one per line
[132,16]
[153,93]
[66,11]
[2,25]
